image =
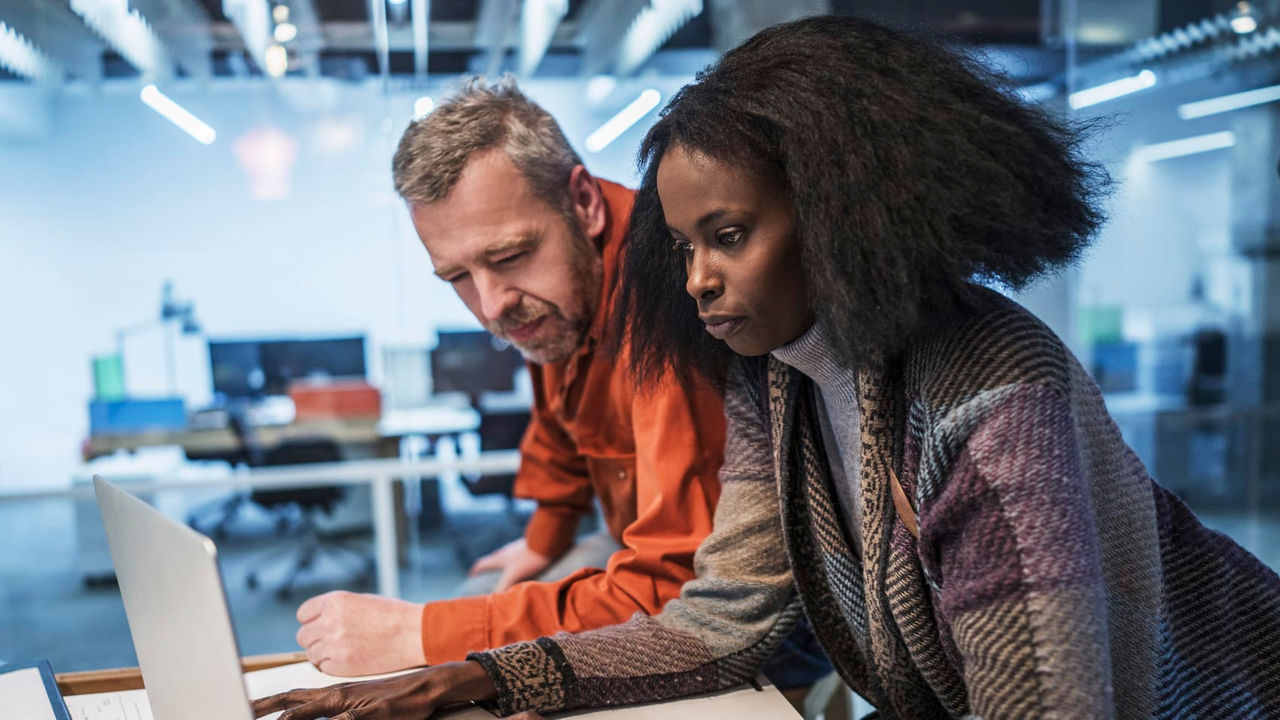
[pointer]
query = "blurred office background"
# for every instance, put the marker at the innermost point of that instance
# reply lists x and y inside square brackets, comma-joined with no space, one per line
[205,272]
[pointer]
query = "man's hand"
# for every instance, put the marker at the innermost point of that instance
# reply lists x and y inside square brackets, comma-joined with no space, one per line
[355,634]
[411,696]
[515,561]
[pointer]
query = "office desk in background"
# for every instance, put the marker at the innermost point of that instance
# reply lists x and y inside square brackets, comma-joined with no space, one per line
[276,673]
[360,438]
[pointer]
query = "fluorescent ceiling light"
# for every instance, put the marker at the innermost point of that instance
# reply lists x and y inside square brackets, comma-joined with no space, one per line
[1226,103]
[178,115]
[285,32]
[280,13]
[422,106]
[1111,90]
[1185,146]
[1244,24]
[277,59]
[620,123]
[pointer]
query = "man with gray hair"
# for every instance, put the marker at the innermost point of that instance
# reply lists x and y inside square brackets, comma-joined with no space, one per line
[531,242]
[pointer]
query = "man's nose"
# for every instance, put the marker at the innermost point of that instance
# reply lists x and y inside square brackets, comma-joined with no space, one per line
[496,298]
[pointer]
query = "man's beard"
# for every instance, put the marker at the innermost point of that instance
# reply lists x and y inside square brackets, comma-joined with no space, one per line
[565,328]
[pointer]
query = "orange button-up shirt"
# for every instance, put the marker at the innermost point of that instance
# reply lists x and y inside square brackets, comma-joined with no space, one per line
[651,457]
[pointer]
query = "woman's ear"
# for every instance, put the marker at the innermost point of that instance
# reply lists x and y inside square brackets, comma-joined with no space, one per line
[587,201]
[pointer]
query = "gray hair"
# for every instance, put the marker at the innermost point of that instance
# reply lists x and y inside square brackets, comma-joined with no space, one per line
[434,149]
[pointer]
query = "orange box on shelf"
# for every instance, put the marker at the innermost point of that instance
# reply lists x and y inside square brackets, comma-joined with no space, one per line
[335,399]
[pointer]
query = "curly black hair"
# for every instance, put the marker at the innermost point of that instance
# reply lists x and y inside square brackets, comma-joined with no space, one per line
[912,171]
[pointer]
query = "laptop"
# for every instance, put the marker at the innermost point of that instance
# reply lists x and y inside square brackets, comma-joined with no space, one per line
[177,611]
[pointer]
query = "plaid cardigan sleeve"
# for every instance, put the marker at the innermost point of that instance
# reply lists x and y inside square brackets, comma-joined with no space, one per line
[718,633]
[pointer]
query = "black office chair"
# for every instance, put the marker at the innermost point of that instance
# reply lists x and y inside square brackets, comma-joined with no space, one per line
[301,507]
[498,431]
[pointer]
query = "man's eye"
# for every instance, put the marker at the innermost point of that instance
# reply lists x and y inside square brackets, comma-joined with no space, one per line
[455,279]
[507,260]
[729,237]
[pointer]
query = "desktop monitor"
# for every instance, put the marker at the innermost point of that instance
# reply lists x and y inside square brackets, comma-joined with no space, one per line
[473,362]
[236,367]
[284,361]
[254,368]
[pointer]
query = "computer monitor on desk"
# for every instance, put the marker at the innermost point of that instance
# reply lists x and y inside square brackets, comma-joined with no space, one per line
[473,362]
[250,369]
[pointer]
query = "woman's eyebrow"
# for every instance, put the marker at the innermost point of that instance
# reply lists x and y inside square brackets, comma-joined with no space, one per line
[711,217]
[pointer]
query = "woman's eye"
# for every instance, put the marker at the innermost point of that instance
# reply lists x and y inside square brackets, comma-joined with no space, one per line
[684,247]
[729,237]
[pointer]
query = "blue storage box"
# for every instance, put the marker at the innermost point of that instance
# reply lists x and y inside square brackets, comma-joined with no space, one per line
[113,417]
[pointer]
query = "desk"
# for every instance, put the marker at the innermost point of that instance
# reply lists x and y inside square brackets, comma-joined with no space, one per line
[359,437]
[380,475]
[736,703]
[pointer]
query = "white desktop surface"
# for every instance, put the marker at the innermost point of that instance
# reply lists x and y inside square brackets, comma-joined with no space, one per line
[735,704]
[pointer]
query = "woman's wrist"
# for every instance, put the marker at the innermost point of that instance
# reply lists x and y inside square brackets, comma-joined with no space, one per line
[465,681]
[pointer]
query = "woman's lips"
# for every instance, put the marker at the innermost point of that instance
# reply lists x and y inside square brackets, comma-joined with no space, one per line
[724,328]
[526,331]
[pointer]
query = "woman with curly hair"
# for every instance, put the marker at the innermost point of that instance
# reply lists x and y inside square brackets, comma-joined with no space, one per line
[914,463]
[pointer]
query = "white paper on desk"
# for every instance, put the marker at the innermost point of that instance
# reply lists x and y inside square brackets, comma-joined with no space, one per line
[25,696]
[736,704]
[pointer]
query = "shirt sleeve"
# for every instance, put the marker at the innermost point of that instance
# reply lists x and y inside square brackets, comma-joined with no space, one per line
[679,437]
[718,633]
[1010,545]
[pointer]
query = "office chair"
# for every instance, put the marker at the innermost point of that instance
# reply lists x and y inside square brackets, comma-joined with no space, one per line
[498,431]
[304,506]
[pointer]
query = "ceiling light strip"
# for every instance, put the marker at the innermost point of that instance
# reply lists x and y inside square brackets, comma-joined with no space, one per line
[1112,90]
[1186,146]
[620,123]
[178,115]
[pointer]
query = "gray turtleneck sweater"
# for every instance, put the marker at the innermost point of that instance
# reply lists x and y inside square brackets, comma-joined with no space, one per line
[838,412]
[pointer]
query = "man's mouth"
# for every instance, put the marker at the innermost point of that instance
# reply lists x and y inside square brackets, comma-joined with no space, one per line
[525,332]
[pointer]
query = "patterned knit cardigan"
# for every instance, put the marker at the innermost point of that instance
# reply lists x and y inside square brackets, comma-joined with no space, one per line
[1052,577]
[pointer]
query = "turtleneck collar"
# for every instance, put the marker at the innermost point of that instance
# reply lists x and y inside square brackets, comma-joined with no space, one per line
[812,355]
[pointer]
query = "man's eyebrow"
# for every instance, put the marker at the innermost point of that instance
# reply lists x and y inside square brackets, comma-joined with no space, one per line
[519,242]
[444,272]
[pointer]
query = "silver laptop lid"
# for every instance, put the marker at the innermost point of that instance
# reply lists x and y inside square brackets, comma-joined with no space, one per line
[177,611]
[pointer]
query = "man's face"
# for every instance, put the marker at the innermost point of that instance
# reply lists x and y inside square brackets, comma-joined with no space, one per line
[523,268]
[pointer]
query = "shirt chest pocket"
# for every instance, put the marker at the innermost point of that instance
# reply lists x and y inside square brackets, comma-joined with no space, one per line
[614,481]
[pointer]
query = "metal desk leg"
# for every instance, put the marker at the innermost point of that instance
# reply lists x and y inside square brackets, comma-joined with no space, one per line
[384,538]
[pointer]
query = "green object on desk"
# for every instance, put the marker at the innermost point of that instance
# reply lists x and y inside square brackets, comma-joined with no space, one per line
[108,377]
[1101,324]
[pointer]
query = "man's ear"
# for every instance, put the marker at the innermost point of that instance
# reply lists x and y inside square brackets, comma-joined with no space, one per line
[587,201]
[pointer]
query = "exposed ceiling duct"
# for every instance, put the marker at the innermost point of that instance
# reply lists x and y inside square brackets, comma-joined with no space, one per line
[20,57]
[538,22]
[128,33]
[58,34]
[618,36]
[183,27]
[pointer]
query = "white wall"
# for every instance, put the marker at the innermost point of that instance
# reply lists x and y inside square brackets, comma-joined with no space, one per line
[113,200]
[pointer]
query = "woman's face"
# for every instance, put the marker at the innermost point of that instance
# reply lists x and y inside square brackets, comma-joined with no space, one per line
[735,230]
